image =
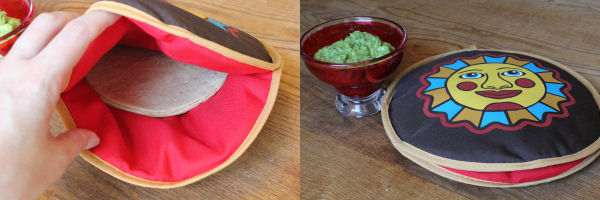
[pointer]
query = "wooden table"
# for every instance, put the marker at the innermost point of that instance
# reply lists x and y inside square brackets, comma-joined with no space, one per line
[347,158]
[270,167]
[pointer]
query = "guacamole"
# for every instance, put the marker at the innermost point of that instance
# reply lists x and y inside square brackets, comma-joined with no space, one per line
[7,24]
[357,47]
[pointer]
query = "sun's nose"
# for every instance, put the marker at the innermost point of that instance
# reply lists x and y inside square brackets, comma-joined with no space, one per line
[496,82]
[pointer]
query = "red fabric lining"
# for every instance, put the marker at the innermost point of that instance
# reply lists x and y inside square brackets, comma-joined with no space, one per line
[176,148]
[97,49]
[520,176]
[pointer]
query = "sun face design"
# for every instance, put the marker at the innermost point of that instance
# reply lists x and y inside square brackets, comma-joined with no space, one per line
[487,92]
[495,86]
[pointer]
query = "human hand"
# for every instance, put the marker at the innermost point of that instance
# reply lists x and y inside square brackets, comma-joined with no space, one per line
[32,76]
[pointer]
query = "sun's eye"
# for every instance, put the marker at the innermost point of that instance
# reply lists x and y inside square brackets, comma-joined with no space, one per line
[471,75]
[513,73]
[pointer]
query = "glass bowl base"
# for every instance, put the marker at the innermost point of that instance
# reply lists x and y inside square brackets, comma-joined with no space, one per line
[360,107]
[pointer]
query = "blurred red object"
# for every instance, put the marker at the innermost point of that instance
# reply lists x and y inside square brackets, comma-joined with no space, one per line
[21,9]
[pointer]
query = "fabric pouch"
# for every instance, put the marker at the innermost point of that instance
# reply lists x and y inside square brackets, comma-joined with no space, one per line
[173,151]
[494,118]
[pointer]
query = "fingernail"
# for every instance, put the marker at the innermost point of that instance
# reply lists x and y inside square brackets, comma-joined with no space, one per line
[94,141]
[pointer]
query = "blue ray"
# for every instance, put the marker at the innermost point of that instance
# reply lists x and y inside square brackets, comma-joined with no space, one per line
[489,59]
[554,88]
[459,64]
[493,116]
[531,67]
[216,23]
[448,107]
[539,109]
[435,83]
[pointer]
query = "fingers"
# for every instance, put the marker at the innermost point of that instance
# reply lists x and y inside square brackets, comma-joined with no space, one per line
[75,141]
[64,51]
[40,32]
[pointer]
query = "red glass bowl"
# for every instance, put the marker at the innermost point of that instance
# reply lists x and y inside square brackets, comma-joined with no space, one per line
[359,84]
[21,9]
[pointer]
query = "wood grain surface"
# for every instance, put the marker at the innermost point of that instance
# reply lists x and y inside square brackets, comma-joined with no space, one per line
[347,158]
[270,167]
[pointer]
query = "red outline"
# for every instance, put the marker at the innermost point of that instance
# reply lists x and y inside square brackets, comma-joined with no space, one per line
[233,31]
[471,127]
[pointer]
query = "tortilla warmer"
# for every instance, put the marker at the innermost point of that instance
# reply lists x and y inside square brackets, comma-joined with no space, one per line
[174,151]
[494,118]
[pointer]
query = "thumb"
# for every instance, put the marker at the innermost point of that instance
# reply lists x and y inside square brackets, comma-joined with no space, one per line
[76,140]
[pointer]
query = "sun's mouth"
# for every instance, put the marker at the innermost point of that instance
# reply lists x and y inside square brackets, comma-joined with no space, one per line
[502,94]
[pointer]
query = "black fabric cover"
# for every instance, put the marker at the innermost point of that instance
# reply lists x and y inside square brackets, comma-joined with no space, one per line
[202,26]
[563,136]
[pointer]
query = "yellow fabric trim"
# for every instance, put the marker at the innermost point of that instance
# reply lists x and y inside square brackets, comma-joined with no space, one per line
[473,181]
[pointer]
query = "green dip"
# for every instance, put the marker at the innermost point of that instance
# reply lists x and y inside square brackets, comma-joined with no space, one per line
[7,24]
[357,47]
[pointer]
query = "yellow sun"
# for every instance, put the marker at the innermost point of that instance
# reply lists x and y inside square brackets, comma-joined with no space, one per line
[488,90]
